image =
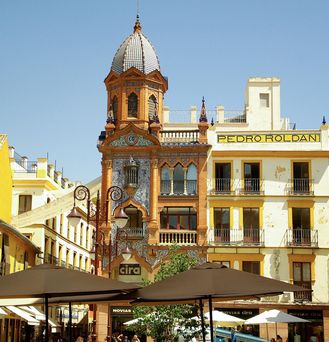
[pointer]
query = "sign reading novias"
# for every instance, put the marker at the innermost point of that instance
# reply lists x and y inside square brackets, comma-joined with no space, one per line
[268,138]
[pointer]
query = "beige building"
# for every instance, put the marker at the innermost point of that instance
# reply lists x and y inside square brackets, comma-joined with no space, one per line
[268,205]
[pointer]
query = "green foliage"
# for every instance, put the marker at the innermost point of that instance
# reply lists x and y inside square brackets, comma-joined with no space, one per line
[166,322]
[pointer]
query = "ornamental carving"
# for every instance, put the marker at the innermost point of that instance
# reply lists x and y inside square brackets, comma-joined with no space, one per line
[171,163]
[131,139]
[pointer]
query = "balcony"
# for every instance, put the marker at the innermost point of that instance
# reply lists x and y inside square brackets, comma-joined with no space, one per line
[26,166]
[179,237]
[132,233]
[179,188]
[223,186]
[301,296]
[179,137]
[237,237]
[301,187]
[50,259]
[301,237]
[252,186]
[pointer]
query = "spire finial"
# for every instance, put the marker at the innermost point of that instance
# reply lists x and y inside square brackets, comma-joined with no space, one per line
[203,113]
[324,122]
[137,27]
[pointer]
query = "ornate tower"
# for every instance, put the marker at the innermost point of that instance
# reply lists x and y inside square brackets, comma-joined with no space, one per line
[135,85]
[163,172]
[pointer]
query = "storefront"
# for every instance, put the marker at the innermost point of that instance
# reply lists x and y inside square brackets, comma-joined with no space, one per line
[243,313]
[120,315]
[306,332]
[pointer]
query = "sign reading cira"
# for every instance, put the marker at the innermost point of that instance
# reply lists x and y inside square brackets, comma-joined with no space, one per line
[130,269]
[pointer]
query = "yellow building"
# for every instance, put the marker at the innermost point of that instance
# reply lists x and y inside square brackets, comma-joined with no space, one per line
[17,252]
[5,180]
[42,199]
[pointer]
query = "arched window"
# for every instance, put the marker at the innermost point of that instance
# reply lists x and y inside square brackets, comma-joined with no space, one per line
[132,105]
[191,179]
[165,181]
[115,108]
[152,105]
[135,217]
[178,179]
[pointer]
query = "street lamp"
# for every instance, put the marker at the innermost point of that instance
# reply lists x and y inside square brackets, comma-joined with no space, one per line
[99,215]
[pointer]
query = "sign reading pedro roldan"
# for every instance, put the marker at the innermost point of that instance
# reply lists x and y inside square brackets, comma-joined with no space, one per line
[130,269]
[268,138]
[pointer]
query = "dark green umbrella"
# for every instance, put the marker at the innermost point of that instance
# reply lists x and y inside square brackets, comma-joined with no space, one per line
[50,281]
[207,282]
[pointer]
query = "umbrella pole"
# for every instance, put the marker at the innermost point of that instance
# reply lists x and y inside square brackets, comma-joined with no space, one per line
[276,329]
[70,322]
[211,320]
[202,321]
[47,317]
[267,331]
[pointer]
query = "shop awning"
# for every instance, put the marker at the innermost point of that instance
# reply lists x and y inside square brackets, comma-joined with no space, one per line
[20,301]
[3,312]
[23,314]
[39,315]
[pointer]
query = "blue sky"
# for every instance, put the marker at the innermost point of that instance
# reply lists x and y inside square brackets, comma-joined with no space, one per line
[55,55]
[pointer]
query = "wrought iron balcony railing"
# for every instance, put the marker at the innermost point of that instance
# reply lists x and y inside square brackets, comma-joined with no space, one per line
[223,186]
[50,259]
[179,237]
[252,186]
[301,186]
[301,296]
[301,237]
[236,237]
[26,166]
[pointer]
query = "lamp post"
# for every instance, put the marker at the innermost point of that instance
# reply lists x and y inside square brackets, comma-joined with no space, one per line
[98,215]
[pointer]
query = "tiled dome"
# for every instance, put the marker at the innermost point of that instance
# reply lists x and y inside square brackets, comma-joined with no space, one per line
[136,51]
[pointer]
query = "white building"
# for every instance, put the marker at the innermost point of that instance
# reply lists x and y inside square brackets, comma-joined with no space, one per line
[268,202]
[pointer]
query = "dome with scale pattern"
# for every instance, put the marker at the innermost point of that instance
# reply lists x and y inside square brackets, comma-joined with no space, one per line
[136,51]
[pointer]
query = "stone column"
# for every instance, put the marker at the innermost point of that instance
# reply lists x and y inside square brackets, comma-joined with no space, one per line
[171,180]
[185,180]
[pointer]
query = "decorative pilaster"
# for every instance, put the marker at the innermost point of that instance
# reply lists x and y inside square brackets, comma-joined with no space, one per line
[153,225]
[202,208]
[104,180]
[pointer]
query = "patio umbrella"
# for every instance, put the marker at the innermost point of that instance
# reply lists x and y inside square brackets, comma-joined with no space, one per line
[47,281]
[222,318]
[274,316]
[210,281]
